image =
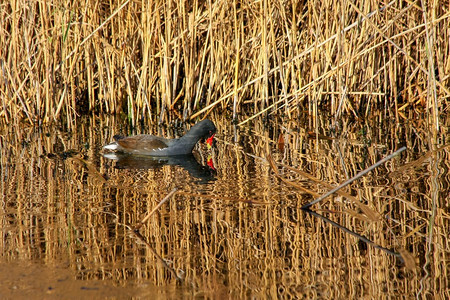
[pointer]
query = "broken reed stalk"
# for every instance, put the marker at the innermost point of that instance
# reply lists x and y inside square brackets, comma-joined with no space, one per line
[359,175]
[145,219]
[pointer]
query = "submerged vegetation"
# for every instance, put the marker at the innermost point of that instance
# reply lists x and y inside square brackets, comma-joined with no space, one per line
[147,59]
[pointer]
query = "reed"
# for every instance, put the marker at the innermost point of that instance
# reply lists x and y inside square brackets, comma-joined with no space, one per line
[154,60]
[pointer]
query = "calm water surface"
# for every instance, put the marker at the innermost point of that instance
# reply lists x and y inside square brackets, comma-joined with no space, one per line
[233,229]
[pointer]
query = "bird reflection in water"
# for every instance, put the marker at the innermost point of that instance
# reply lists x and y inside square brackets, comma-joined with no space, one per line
[188,162]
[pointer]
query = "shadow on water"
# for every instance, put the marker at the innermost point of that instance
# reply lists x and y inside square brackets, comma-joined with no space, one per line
[235,227]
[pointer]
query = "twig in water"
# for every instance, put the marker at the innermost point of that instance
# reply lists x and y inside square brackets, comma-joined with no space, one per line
[138,226]
[360,174]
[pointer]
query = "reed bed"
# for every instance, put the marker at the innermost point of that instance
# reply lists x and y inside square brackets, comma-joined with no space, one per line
[156,60]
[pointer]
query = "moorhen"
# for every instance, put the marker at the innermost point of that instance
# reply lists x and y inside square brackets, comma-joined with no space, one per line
[158,146]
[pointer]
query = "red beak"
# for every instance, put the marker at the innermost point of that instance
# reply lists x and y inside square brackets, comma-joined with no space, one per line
[209,141]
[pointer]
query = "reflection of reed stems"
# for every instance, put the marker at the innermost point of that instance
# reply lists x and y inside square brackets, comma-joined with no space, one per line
[138,226]
[159,257]
[359,175]
[407,258]
[370,213]
[362,238]
[218,197]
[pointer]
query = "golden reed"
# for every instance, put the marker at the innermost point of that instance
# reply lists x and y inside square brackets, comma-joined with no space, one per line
[147,59]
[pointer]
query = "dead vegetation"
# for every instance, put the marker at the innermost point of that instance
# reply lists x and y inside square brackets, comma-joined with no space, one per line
[62,59]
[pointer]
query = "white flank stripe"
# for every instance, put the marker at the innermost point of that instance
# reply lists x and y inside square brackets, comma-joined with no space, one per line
[112,146]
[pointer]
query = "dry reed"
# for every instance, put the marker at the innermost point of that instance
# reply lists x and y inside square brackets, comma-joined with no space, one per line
[59,60]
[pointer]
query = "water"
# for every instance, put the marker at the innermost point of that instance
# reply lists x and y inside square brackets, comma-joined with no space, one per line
[233,229]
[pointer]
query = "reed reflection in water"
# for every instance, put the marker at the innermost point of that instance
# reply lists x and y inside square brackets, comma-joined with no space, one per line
[235,230]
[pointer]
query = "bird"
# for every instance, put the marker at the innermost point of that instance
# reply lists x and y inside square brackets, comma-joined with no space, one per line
[151,145]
